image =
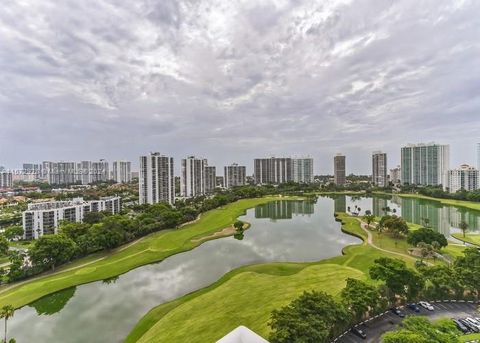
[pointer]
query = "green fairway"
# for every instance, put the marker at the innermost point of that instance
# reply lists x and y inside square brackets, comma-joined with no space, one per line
[459,203]
[244,296]
[245,299]
[152,248]
[469,238]
[471,337]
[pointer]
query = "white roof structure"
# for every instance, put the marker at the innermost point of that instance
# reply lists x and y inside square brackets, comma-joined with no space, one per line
[242,334]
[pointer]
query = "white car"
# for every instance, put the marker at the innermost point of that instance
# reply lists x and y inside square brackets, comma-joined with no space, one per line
[473,322]
[426,305]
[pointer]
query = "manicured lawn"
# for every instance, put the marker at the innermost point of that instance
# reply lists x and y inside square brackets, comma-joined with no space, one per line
[247,295]
[153,248]
[471,337]
[469,238]
[246,299]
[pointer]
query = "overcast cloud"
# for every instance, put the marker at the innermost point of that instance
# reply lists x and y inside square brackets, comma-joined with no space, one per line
[234,80]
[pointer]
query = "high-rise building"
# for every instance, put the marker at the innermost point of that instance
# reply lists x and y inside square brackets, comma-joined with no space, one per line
[121,171]
[210,179]
[379,169]
[156,179]
[234,175]
[32,171]
[395,175]
[273,170]
[43,218]
[465,177]
[302,170]
[6,179]
[192,181]
[339,170]
[92,171]
[425,164]
[100,171]
[61,173]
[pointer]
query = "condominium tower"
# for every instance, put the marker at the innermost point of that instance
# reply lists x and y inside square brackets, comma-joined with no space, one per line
[156,179]
[302,170]
[121,171]
[234,175]
[6,179]
[192,180]
[379,169]
[210,179]
[465,177]
[425,164]
[339,170]
[273,170]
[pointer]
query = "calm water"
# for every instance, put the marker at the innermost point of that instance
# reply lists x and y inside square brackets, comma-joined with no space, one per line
[106,311]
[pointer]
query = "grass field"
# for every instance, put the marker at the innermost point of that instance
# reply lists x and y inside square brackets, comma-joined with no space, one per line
[152,248]
[469,238]
[246,295]
[459,203]
[471,337]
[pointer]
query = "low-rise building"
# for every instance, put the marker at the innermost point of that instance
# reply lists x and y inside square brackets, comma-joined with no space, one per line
[465,177]
[44,218]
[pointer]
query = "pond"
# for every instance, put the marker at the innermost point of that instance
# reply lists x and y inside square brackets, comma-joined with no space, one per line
[297,231]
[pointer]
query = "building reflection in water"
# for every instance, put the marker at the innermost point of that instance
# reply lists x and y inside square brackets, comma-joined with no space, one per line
[284,209]
[340,203]
[440,218]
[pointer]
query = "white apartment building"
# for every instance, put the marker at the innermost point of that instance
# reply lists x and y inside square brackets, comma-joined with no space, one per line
[425,164]
[210,179]
[121,171]
[465,177]
[192,180]
[6,179]
[395,175]
[44,218]
[156,179]
[379,169]
[302,169]
[234,175]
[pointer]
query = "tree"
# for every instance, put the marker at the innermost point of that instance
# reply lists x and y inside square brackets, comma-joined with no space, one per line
[419,329]
[314,317]
[7,312]
[13,232]
[400,280]
[442,281]
[93,217]
[467,268]
[426,235]
[369,218]
[50,251]
[238,225]
[15,271]
[426,250]
[396,225]
[360,298]
[464,227]
[3,245]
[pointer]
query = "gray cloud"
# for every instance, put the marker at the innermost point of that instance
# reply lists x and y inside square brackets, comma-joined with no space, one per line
[236,80]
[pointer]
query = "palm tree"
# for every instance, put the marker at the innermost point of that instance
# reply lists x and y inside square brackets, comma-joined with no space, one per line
[463,226]
[7,313]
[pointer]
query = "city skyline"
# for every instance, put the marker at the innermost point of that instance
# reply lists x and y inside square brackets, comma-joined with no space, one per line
[100,80]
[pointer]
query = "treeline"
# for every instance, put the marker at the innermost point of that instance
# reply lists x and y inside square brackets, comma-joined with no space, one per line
[438,192]
[317,317]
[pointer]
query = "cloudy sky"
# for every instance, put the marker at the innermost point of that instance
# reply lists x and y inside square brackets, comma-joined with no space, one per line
[234,80]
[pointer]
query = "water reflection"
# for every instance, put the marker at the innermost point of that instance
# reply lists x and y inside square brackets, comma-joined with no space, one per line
[284,209]
[53,303]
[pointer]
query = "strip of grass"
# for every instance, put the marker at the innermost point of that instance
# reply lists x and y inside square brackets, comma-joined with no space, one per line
[459,203]
[471,337]
[469,238]
[245,295]
[153,248]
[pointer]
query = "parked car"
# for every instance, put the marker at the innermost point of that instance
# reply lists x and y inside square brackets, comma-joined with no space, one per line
[461,326]
[359,332]
[398,312]
[426,305]
[468,325]
[413,307]
[474,323]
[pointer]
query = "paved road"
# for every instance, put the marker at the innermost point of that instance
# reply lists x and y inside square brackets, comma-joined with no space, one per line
[389,321]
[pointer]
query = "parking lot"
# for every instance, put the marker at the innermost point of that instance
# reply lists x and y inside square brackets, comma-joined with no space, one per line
[389,321]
